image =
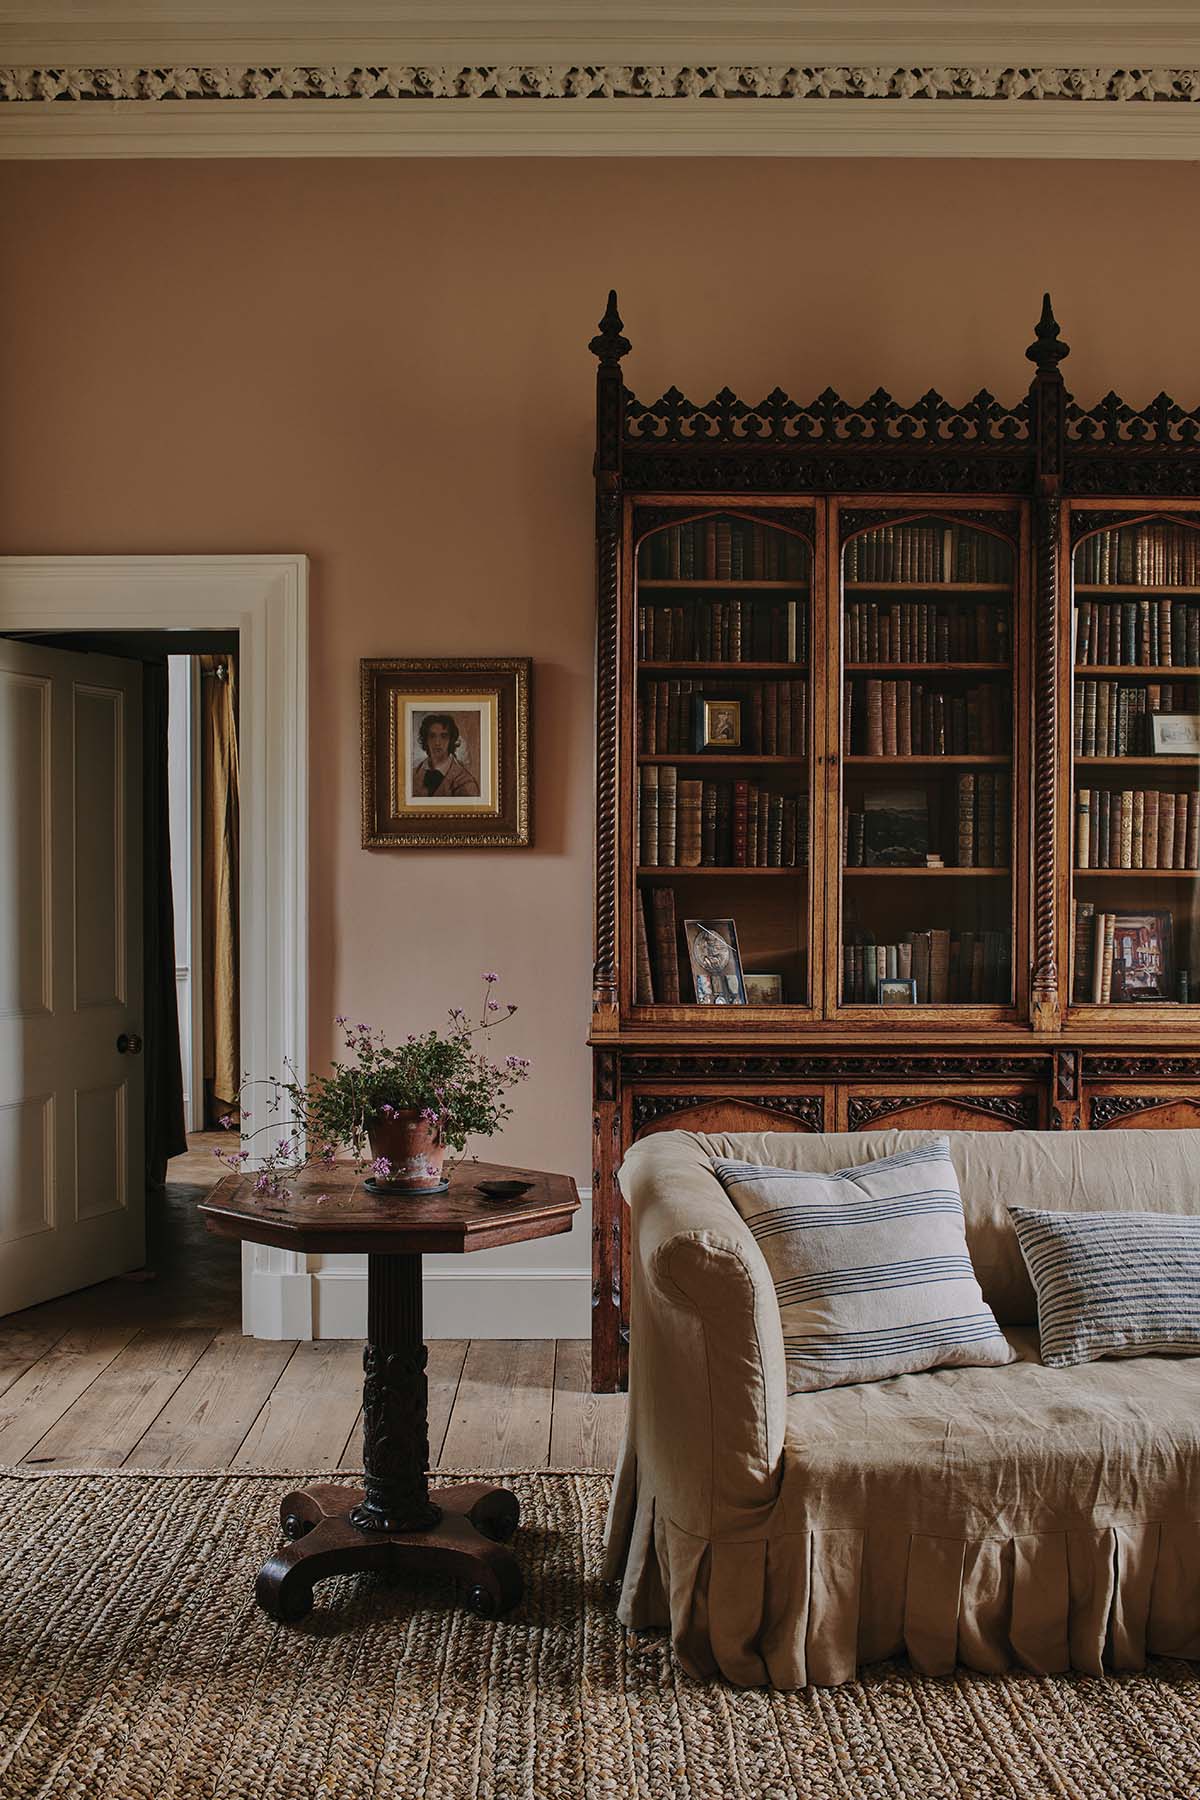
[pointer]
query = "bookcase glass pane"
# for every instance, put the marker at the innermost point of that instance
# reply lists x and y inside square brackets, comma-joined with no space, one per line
[1136,765]
[723,743]
[926,765]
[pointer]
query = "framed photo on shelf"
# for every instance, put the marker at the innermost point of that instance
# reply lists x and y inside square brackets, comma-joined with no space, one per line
[716,724]
[445,752]
[895,827]
[897,990]
[1175,734]
[716,962]
[1141,957]
[763,990]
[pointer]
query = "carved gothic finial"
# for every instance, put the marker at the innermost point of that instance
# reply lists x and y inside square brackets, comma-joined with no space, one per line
[1047,350]
[608,344]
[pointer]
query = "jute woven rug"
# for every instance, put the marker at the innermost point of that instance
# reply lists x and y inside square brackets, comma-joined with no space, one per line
[134,1665]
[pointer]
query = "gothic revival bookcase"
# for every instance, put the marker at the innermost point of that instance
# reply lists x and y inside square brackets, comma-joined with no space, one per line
[898,780]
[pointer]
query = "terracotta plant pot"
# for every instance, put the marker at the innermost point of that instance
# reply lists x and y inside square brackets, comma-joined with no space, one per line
[413,1147]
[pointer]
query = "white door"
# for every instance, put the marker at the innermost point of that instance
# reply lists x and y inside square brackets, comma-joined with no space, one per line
[72,1187]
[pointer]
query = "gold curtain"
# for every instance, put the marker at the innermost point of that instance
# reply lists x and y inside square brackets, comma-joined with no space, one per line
[219,825]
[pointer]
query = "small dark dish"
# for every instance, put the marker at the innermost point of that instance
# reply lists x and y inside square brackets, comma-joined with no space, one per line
[503,1190]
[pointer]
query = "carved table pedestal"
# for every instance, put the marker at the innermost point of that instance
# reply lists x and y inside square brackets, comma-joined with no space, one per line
[394,1522]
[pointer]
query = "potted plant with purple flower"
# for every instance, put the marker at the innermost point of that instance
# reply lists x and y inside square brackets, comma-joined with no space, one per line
[398,1108]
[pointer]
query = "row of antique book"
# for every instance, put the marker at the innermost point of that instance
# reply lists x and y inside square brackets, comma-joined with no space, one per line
[693,824]
[923,554]
[715,549]
[1139,828]
[1112,718]
[725,631]
[948,967]
[891,829]
[1123,956]
[1162,631]
[907,718]
[927,631]
[774,716]
[1149,555]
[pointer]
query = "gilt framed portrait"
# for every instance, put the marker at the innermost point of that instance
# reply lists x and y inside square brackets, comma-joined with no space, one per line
[445,752]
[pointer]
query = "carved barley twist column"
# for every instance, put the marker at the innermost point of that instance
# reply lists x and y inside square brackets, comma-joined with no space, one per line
[395,1401]
[1045,860]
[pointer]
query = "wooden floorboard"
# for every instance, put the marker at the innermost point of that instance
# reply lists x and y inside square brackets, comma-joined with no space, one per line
[38,1399]
[586,1428]
[21,1346]
[101,1427]
[501,1417]
[213,1410]
[307,1420]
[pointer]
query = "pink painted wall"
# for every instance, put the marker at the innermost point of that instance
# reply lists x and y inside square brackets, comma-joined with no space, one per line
[384,364]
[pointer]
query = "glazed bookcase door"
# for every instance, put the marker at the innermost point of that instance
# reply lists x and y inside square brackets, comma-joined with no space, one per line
[1133,853]
[720,642]
[929,714]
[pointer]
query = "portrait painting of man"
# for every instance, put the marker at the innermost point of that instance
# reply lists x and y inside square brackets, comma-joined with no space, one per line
[441,769]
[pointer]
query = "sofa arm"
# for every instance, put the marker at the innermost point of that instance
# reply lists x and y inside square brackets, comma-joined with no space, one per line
[707,1378]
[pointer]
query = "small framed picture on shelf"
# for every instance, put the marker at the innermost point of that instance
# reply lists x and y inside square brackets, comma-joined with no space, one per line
[1175,734]
[1141,957]
[763,990]
[716,962]
[895,827]
[716,724]
[897,990]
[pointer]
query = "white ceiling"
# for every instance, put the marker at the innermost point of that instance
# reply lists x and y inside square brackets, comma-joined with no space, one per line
[141,32]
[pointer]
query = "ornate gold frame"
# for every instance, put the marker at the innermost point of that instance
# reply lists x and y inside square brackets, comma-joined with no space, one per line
[510,679]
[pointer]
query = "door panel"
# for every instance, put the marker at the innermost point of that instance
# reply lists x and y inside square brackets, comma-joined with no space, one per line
[867,1110]
[1149,1112]
[72,1201]
[699,1112]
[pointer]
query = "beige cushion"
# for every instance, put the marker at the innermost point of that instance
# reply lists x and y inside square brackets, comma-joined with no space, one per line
[870,1267]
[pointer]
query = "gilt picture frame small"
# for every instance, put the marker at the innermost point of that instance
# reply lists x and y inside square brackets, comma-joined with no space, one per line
[716,725]
[445,752]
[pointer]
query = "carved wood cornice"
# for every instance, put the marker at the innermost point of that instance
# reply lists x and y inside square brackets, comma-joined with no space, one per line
[1107,1108]
[865,1066]
[1141,1067]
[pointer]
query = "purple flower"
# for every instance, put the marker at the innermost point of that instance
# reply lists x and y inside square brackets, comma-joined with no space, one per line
[381,1169]
[432,1170]
[341,1019]
[227,1121]
[490,975]
[430,1115]
[386,1111]
[493,1006]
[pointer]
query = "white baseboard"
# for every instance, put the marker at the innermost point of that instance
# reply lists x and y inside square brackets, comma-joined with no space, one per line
[473,1303]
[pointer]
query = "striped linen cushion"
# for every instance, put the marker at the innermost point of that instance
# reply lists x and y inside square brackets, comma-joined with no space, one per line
[1112,1283]
[870,1267]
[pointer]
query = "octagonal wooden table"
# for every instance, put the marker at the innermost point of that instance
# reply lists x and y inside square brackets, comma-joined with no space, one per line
[393,1522]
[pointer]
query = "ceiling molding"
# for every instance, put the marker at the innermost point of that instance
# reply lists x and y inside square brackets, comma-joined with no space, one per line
[1133,130]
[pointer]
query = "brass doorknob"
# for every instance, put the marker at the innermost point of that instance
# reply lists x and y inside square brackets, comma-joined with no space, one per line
[129,1044]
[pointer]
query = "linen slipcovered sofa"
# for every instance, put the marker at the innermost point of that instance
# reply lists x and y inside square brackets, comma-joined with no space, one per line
[1048,1517]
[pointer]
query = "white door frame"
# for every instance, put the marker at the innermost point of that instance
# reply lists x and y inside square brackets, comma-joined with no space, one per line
[265,600]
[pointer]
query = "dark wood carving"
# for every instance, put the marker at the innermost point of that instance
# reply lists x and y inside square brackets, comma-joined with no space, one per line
[807,1109]
[1045,772]
[1107,1107]
[799,520]
[1135,1067]
[853,520]
[931,423]
[609,346]
[1020,1110]
[798,1066]
[707,471]
[1066,1075]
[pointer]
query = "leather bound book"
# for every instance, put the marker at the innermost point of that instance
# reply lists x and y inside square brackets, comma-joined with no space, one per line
[689,807]
[939,966]
[1167,803]
[874,688]
[762,826]
[1083,835]
[770,718]
[1106,979]
[775,820]
[1191,813]
[644,989]
[668,781]
[662,716]
[755,745]
[648,815]
[666,952]
[753,847]
[788,858]
[1150,829]
[724,824]
[710,549]
[903,718]
[1085,915]
[1126,830]
[1098,958]
[799,718]
[785,718]
[985,821]
[708,826]
[920,965]
[740,825]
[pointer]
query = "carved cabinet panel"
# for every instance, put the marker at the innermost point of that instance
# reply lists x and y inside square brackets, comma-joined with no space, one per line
[1146,1112]
[909,1109]
[723,1111]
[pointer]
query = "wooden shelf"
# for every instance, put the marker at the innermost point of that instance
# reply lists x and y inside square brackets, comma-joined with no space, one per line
[719,869]
[1155,874]
[926,668]
[922,762]
[695,585]
[1185,672]
[724,756]
[927,587]
[798,670]
[852,869]
[1138,762]
[1132,587]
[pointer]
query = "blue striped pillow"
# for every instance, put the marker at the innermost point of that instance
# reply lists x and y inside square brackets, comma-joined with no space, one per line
[1112,1283]
[870,1267]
